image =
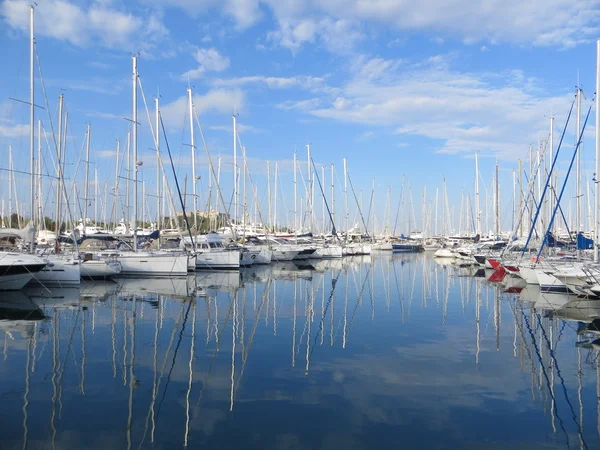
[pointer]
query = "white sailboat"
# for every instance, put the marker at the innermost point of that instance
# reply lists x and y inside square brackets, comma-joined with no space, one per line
[136,263]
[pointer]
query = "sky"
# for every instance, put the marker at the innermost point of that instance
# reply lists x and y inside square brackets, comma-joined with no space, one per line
[407,91]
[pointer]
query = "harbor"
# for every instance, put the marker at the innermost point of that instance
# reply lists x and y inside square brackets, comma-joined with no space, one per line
[389,251]
[313,356]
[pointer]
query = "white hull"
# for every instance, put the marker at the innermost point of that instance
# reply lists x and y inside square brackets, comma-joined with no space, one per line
[14,282]
[222,259]
[248,257]
[283,255]
[264,257]
[59,272]
[155,264]
[18,269]
[100,268]
[444,253]
[331,251]
[528,274]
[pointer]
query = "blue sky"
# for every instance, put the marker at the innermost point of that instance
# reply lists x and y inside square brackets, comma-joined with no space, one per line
[397,87]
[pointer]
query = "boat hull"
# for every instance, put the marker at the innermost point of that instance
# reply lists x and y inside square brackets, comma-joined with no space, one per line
[218,260]
[59,272]
[153,264]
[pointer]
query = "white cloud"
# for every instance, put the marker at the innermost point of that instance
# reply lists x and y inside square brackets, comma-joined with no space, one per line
[241,128]
[302,105]
[335,35]
[551,22]
[98,23]
[300,81]
[14,130]
[216,100]
[208,59]
[338,24]
[460,112]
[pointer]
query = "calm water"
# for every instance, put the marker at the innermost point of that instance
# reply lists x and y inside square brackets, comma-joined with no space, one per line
[373,352]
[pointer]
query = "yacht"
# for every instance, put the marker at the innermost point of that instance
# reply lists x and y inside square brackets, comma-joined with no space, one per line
[210,252]
[18,269]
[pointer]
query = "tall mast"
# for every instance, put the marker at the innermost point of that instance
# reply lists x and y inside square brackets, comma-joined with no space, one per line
[550,182]
[295,196]
[32,122]
[245,194]
[309,193]
[275,196]
[596,184]
[127,190]
[346,194]
[269,216]
[497,203]
[39,175]
[58,164]
[332,198]
[157,145]
[96,196]
[86,187]
[436,210]
[477,206]
[116,187]
[10,184]
[578,165]
[134,139]
[515,210]
[323,203]
[192,144]
[235,203]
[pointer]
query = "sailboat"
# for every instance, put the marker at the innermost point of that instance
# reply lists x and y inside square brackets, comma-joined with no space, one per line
[145,263]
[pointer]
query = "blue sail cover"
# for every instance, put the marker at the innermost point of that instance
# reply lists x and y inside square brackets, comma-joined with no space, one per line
[584,243]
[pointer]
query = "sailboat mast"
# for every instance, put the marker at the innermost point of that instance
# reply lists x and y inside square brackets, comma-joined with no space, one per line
[596,184]
[275,196]
[346,194]
[193,146]
[157,145]
[550,182]
[39,177]
[96,196]
[235,211]
[116,187]
[295,195]
[497,203]
[134,140]
[31,119]
[270,218]
[58,164]
[477,205]
[86,187]
[10,184]
[323,204]
[578,165]
[332,197]
[309,192]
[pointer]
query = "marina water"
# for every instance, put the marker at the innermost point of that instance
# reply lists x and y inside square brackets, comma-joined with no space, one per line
[382,351]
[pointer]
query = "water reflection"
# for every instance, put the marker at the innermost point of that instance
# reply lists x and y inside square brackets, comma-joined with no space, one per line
[393,349]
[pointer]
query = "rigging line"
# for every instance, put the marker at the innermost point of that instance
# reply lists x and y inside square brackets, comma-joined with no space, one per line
[212,169]
[254,326]
[564,184]
[359,299]
[187,224]
[398,208]
[212,360]
[562,380]
[333,231]
[357,204]
[541,199]
[333,285]
[537,351]
[174,355]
